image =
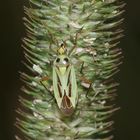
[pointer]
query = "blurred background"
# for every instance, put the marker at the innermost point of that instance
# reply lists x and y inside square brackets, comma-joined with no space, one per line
[127,120]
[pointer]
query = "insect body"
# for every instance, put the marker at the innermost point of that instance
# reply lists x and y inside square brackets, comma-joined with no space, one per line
[64,83]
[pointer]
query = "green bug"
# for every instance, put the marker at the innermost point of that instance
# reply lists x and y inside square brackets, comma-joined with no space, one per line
[64,82]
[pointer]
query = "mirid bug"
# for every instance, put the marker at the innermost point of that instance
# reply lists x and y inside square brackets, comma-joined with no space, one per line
[64,82]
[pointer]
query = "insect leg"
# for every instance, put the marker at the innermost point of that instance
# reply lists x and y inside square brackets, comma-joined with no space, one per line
[75,40]
[88,90]
[41,81]
[44,79]
[82,66]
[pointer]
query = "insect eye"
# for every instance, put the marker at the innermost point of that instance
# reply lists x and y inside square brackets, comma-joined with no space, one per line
[66,59]
[58,60]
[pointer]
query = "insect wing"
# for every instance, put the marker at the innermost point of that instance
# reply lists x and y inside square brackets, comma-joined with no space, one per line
[57,86]
[72,93]
[65,87]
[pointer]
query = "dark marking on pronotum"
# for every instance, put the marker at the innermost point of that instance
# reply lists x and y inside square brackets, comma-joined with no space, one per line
[66,59]
[58,60]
